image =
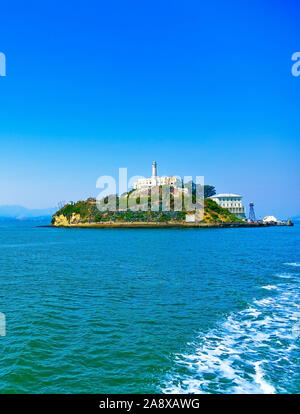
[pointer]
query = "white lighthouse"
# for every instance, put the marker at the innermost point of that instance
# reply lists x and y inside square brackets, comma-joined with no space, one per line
[145,183]
[154,169]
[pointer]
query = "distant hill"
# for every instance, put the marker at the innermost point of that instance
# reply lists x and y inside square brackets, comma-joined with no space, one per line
[20,212]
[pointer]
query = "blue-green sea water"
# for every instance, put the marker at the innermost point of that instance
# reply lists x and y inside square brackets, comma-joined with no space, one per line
[150,310]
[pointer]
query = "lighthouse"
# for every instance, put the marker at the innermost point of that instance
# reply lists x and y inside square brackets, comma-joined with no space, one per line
[154,169]
[143,184]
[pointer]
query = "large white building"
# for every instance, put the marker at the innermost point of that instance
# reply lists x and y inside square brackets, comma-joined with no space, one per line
[232,202]
[144,183]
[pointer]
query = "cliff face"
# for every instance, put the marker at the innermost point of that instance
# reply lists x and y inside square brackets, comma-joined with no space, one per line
[61,220]
[86,213]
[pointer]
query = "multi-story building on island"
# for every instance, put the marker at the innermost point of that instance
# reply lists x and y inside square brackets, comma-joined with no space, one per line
[144,183]
[232,202]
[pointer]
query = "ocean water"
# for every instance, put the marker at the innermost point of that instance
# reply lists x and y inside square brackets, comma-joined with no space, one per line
[150,310]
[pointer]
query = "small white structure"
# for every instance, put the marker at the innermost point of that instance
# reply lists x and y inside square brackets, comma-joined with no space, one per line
[270,219]
[190,218]
[233,202]
[144,183]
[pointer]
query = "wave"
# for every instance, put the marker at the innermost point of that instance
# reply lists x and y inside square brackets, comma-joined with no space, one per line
[259,379]
[292,264]
[284,275]
[269,287]
[243,353]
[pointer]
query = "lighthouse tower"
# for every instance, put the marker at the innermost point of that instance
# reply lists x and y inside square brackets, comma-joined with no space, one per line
[143,184]
[154,169]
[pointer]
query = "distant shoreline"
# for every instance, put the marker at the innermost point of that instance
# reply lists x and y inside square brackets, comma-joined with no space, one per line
[165,225]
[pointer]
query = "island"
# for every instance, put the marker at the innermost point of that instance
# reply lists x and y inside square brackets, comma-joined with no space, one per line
[85,214]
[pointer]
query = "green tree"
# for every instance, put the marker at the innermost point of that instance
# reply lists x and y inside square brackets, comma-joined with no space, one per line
[209,190]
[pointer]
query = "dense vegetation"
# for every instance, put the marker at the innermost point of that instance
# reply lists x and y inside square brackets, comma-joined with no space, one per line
[214,213]
[87,212]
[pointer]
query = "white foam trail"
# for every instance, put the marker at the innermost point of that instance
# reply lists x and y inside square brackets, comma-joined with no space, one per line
[292,264]
[259,378]
[244,352]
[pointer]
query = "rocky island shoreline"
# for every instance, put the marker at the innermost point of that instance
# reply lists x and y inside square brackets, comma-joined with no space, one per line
[85,214]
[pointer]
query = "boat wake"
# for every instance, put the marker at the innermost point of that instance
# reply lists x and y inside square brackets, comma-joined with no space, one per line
[246,351]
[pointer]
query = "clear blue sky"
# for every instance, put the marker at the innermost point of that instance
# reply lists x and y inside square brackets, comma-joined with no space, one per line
[204,88]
